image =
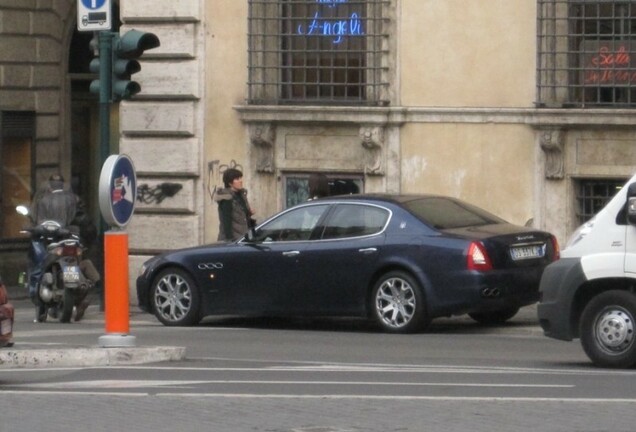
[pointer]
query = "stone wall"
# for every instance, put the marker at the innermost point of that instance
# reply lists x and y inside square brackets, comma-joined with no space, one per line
[161,128]
[34,40]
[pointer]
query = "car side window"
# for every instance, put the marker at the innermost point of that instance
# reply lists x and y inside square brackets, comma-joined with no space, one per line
[354,220]
[294,225]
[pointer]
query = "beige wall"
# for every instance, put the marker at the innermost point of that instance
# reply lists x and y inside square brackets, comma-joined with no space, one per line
[489,165]
[226,142]
[475,53]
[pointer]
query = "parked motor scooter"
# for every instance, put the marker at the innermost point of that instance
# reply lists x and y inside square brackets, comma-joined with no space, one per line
[61,284]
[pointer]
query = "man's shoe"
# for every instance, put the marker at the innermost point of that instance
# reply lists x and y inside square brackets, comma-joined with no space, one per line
[80,309]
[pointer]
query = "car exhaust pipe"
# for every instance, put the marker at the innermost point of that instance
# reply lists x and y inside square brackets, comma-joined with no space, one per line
[490,292]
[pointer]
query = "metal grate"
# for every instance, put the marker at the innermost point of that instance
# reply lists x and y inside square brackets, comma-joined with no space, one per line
[318,51]
[593,195]
[586,53]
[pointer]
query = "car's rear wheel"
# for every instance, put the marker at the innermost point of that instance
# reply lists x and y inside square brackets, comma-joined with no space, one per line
[398,303]
[175,298]
[494,317]
[607,329]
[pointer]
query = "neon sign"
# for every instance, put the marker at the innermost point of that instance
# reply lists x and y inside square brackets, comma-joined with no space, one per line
[335,28]
[610,64]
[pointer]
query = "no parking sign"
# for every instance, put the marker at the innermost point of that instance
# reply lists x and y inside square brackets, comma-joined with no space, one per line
[117,190]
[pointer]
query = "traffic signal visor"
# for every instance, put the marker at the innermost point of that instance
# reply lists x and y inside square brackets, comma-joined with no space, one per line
[133,43]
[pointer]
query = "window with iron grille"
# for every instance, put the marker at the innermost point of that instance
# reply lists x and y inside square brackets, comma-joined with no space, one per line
[586,53]
[317,51]
[593,194]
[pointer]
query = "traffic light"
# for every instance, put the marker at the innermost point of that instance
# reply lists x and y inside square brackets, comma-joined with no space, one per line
[127,48]
[95,65]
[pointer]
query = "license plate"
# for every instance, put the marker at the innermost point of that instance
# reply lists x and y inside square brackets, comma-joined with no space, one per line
[527,252]
[5,327]
[71,274]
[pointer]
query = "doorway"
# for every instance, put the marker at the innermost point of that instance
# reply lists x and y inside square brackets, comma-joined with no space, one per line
[296,186]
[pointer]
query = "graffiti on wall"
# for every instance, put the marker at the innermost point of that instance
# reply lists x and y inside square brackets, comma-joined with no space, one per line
[158,193]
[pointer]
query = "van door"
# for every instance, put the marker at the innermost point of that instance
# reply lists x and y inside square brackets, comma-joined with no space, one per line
[630,234]
[630,249]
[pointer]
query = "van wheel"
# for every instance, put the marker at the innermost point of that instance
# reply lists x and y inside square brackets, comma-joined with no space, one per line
[607,329]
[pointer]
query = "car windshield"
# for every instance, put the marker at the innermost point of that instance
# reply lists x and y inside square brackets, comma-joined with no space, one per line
[444,213]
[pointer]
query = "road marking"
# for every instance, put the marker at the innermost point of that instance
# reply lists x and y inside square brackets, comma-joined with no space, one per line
[109,384]
[322,396]
[397,397]
[365,368]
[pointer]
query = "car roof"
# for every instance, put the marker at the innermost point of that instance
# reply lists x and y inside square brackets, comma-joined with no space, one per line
[381,197]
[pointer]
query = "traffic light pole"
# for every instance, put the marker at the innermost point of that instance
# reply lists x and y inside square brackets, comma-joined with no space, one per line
[105,97]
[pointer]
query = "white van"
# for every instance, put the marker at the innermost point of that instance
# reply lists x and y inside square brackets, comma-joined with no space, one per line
[590,293]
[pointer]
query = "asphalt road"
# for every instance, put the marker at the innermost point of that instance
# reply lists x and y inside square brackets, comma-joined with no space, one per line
[320,376]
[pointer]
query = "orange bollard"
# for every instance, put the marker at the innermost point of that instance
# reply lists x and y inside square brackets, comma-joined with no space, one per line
[116,302]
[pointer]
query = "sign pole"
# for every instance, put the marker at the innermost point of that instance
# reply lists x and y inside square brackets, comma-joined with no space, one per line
[117,196]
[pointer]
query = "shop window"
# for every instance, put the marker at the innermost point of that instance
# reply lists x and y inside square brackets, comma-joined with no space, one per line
[587,53]
[297,187]
[16,159]
[317,51]
[593,194]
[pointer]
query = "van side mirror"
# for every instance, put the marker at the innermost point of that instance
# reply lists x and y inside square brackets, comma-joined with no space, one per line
[631,204]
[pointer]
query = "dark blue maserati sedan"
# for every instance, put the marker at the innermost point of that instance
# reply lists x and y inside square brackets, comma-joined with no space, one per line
[400,260]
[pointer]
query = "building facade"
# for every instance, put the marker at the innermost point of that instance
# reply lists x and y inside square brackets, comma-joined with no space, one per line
[525,108]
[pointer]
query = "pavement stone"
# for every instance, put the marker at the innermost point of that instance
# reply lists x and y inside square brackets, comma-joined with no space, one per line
[24,355]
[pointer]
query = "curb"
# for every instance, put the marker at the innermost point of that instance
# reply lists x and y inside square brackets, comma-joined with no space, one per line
[86,357]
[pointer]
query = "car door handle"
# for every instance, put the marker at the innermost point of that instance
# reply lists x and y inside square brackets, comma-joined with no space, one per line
[368,251]
[291,253]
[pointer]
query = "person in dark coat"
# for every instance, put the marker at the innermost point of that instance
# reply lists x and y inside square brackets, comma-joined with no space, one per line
[235,213]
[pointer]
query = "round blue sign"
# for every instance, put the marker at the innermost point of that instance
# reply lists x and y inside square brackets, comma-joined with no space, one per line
[93,4]
[117,190]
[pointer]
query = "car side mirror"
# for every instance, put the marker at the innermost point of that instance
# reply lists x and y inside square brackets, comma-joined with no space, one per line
[250,235]
[631,204]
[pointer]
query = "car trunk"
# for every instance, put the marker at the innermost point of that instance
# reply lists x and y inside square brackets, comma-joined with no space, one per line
[510,246]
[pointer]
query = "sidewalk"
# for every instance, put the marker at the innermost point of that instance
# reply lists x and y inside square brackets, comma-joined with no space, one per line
[30,352]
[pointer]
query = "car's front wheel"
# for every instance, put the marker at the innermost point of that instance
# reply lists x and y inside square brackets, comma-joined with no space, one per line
[607,329]
[398,303]
[175,298]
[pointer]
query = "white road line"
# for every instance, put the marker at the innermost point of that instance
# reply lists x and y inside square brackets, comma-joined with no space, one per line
[323,397]
[110,384]
[397,398]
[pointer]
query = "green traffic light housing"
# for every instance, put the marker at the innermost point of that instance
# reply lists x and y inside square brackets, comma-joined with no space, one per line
[126,49]
[94,67]
[133,43]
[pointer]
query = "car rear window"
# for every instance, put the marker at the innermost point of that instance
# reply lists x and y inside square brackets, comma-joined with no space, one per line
[355,220]
[444,213]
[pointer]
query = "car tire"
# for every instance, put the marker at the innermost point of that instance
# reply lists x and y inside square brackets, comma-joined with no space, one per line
[397,303]
[175,298]
[494,317]
[607,329]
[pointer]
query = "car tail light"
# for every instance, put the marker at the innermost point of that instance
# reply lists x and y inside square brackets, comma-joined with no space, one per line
[555,247]
[478,258]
